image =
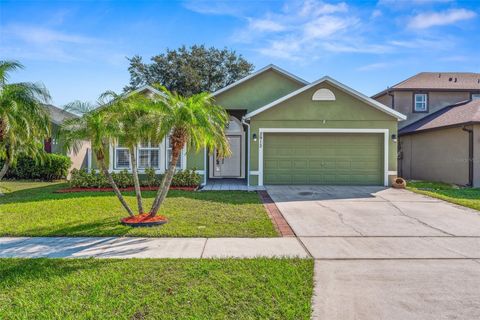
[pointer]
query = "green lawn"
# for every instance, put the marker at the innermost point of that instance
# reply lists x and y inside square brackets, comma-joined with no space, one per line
[468,197]
[33,209]
[155,289]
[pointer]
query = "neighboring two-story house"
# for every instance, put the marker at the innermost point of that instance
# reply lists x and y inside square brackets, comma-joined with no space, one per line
[440,140]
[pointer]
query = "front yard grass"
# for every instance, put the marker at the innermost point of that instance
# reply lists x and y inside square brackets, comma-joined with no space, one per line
[467,197]
[33,209]
[155,289]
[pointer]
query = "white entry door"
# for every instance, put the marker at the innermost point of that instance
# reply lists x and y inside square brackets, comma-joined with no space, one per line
[231,166]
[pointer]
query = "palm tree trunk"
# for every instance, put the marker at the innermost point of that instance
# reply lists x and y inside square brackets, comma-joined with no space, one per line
[166,181]
[136,181]
[114,186]
[4,169]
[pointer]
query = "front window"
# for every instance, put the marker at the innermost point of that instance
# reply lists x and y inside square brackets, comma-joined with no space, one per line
[148,155]
[421,102]
[122,158]
[169,156]
[475,96]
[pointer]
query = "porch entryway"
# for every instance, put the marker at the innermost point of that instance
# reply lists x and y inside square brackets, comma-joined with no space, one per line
[232,166]
[229,185]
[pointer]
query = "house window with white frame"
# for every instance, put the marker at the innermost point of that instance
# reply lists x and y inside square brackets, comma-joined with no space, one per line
[420,101]
[169,156]
[475,96]
[122,157]
[148,156]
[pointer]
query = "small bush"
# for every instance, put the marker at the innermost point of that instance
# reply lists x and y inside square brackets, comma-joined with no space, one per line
[124,179]
[186,178]
[53,167]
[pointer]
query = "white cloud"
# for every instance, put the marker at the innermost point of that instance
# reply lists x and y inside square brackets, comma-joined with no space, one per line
[404,3]
[301,30]
[223,8]
[325,26]
[373,66]
[313,7]
[268,25]
[40,43]
[40,35]
[376,13]
[431,19]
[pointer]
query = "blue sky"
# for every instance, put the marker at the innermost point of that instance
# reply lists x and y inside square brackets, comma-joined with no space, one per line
[78,49]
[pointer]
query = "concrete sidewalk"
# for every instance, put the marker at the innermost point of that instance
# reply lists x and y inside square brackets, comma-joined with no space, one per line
[123,247]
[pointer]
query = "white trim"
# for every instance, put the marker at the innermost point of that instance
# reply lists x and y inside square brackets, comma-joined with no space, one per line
[89,159]
[392,173]
[200,172]
[316,130]
[254,173]
[110,158]
[205,166]
[338,85]
[143,88]
[256,73]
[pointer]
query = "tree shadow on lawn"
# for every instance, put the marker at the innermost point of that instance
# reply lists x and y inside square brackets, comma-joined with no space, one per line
[109,226]
[16,271]
[48,193]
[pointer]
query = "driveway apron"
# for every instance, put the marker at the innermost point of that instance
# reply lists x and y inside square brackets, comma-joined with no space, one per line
[384,253]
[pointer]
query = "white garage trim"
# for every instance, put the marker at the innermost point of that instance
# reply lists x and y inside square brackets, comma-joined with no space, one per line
[315,130]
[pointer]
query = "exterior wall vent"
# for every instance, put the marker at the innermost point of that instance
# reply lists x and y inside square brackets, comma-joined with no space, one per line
[323,95]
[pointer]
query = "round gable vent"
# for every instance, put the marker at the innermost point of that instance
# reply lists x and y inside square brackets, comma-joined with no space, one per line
[323,95]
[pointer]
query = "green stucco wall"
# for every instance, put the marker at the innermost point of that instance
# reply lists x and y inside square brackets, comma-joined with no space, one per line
[258,91]
[301,112]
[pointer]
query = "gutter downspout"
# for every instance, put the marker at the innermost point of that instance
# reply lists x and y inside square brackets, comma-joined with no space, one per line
[470,155]
[248,150]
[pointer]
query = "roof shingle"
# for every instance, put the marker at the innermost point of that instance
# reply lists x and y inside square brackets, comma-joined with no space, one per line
[456,114]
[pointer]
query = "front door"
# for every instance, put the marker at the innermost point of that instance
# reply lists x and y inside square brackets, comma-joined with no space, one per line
[231,166]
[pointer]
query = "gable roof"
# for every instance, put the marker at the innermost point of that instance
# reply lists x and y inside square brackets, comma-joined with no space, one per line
[465,112]
[438,81]
[338,85]
[58,115]
[258,72]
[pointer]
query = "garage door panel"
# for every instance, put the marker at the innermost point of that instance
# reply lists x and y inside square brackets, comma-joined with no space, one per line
[320,158]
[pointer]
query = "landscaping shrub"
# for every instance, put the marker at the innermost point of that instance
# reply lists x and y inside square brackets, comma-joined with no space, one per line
[53,167]
[124,179]
[186,178]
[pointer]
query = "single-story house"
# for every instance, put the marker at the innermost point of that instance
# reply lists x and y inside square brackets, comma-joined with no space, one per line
[284,130]
[53,145]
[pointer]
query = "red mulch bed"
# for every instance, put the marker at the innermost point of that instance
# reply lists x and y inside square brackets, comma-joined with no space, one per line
[144,220]
[70,190]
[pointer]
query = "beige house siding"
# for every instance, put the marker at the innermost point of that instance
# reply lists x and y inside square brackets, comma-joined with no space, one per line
[437,155]
[386,99]
[79,159]
[436,101]
[476,156]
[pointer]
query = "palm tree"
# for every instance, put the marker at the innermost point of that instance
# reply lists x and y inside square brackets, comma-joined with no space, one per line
[93,125]
[24,122]
[133,114]
[196,122]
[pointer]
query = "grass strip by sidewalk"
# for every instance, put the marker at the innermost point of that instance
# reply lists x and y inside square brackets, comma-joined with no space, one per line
[33,209]
[155,289]
[467,197]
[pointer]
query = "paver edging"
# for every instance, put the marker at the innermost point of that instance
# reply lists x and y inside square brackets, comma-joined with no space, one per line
[279,221]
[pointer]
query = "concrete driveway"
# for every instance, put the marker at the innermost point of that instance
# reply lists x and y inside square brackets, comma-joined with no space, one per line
[385,253]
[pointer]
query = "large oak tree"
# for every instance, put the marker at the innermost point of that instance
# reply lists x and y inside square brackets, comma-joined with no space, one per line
[188,71]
